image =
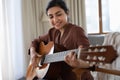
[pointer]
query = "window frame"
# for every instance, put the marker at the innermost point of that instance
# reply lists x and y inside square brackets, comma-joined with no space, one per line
[100,20]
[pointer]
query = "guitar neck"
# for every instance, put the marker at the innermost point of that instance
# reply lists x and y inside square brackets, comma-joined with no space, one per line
[57,57]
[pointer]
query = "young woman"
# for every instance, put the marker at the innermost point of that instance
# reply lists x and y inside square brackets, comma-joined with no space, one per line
[66,36]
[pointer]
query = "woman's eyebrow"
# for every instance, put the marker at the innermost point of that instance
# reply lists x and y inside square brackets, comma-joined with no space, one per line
[55,13]
[58,12]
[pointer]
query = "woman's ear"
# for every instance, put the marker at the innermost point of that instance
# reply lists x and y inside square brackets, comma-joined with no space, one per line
[68,16]
[67,13]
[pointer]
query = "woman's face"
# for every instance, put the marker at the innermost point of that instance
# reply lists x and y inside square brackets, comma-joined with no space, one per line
[57,17]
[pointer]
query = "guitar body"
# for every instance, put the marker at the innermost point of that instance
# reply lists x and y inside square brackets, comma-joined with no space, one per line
[42,71]
[53,68]
[52,71]
[47,71]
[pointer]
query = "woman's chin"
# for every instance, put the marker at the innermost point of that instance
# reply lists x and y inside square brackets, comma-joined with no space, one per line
[58,27]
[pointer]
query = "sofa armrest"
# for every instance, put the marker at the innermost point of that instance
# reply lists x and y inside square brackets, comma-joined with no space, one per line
[96,39]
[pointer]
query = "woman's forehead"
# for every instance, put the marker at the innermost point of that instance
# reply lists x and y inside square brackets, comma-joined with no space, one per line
[54,10]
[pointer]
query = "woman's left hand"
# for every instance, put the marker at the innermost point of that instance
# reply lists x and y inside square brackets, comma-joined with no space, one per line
[71,59]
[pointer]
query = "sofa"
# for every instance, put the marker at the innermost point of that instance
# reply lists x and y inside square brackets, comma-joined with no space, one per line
[96,39]
[112,38]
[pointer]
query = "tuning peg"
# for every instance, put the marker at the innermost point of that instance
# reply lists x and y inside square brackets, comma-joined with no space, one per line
[103,58]
[89,50]
[95,58]
[91,45]
[93,63]
[100,58]
[100,64]
[88,57]
[96,50]
[103,50]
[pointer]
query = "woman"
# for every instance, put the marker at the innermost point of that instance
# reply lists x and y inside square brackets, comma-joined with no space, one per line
[66,36]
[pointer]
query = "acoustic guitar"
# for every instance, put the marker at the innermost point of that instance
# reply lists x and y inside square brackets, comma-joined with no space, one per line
[94,55]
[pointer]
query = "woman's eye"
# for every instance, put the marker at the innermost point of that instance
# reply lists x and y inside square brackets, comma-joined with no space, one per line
[54,15]
[50,17]
[59,14]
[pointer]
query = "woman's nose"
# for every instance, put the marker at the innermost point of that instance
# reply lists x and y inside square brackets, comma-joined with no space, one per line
[55,19]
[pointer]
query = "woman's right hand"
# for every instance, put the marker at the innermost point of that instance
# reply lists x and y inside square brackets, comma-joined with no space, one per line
[34,61]
[34,57]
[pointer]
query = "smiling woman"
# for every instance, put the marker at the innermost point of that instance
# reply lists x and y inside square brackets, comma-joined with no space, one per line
[65,36]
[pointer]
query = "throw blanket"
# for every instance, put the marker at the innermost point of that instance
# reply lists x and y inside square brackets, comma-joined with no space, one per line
[111,39]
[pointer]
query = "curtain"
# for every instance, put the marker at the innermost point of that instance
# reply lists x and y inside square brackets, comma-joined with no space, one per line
[1,24]
[19,25]
[77,12]
[31,22]
[1,14]
[11,41]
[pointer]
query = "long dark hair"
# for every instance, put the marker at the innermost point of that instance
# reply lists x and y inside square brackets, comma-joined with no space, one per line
[59,3]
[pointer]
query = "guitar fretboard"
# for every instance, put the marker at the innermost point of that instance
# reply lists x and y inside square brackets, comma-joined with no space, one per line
[57,57]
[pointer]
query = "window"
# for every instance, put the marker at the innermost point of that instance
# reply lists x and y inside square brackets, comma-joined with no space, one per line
[92,19]
[102,16]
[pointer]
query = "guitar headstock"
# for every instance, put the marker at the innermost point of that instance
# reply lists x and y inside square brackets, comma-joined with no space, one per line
[99,54]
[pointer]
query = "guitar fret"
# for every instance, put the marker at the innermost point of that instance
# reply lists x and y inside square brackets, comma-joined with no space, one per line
[56,57]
